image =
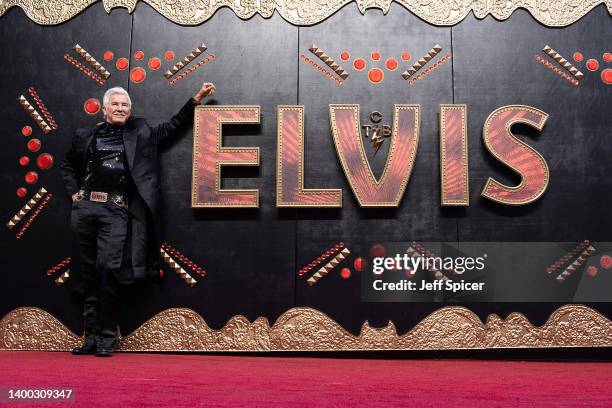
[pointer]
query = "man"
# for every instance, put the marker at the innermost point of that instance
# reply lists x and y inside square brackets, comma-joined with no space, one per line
[111,173]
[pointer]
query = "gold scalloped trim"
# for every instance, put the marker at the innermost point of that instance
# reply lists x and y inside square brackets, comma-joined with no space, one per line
[305,329]
[556,13]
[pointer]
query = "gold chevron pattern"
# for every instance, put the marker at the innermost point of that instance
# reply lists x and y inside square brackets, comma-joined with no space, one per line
[306,329]
[328,267]
[26,208]
[563,62]
[91,61]
[188,279]
[181,64]
[44,126]
[422,61]
[328,61]
[62,278]
[567,272]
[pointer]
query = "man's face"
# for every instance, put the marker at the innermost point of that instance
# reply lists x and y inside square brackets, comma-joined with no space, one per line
[118,109]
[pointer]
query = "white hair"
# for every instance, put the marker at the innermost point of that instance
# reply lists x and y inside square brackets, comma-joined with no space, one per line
[113,91]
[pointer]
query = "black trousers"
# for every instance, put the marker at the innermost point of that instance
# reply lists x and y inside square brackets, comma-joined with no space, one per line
[100,230]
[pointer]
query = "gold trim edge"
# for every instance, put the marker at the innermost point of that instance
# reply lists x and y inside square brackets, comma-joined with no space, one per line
[437,12]
[306,329]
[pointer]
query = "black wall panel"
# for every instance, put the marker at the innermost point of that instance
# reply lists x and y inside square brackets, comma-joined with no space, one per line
[252,255]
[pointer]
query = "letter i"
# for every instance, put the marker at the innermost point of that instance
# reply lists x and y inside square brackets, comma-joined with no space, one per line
[454,184]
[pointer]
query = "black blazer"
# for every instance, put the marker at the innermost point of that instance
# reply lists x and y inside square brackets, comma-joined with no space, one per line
[141,141]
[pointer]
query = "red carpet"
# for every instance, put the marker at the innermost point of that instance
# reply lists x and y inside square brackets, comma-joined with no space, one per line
[139,380]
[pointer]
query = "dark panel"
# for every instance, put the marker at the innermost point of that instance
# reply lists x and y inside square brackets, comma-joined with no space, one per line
[419,215]
[33,56]
[575,141]
[248,254]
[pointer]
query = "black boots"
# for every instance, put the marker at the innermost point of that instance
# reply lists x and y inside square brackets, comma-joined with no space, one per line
[106,346]
[100,346]
[90,346]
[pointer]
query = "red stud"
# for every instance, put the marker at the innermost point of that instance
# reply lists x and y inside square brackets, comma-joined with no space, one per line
[44,161]
[108,55]
[137,75]
[345,273]
[24,161]
[154,63]
[578,57]
[26,131]
[122,64]
[592,65]
[34,145]
[359,64]
[21,192]
[91,106]
[31,177]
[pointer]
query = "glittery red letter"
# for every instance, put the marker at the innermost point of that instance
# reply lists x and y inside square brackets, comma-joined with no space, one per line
[209,156]
[290,191]
[521,158]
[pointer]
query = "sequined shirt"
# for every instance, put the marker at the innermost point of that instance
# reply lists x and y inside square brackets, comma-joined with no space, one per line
[106,168]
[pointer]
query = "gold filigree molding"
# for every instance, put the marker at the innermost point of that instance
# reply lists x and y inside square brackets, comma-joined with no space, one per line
[558,13]
[305,329]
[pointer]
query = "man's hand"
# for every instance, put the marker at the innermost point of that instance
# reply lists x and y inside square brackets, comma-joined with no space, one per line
[208,88]
[75,196]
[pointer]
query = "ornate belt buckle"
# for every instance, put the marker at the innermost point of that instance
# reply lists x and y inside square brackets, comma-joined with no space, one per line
[119,201]
[98,196]
[80,195]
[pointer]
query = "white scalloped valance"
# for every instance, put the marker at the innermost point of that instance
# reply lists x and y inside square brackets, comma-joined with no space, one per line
[552,13]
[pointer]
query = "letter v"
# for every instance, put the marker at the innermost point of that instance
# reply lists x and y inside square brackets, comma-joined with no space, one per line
[388,191]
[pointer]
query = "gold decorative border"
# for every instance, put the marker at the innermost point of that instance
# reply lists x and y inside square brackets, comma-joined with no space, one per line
[557,13]
[305,329]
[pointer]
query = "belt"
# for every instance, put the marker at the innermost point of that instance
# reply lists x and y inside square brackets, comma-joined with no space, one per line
[102,197]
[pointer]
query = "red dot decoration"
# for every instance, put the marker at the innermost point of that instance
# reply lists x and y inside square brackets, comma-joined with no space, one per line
[406,56]
[375,56]
[377,251]
[577,56]
[359,64]
[169,55]
[139,55]
[161,273]
[26,131]
[154,63]
[122,64]
[592,65]
[24,161]
[344,56]
[592,270]
[44,161]
[21,192]
[391,64]
[359,264]
[606,261]
[607,57]
[606,76]
[91,106]
[34,145]
[345,273]
[137,75]
[31,177]
[376,75]
[108,56]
